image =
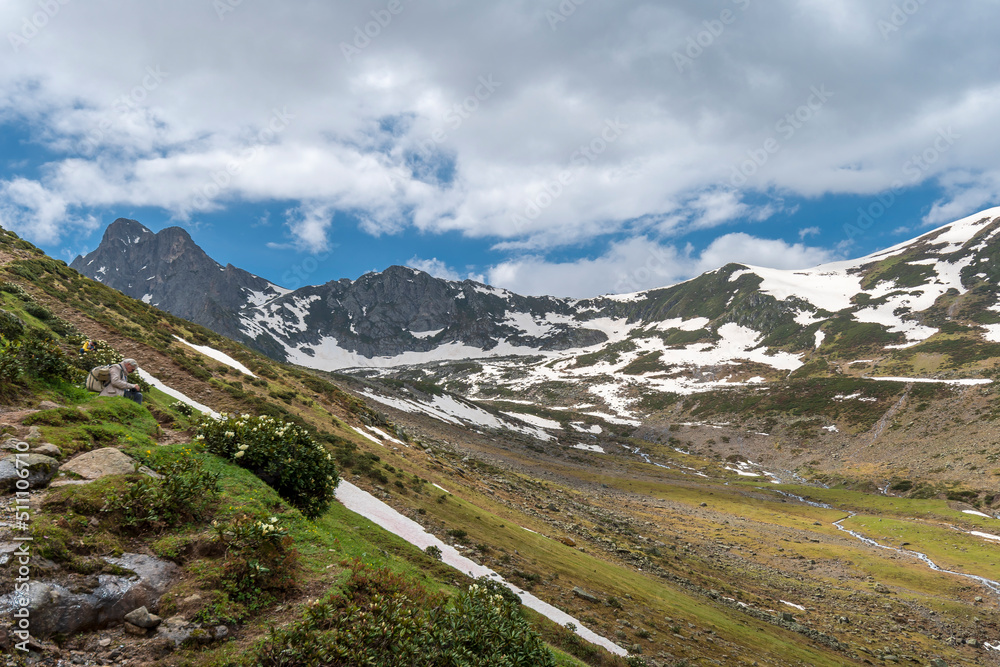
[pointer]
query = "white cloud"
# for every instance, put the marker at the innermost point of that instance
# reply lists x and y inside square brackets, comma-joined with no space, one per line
[809,231]
[965,193]
[435,267]
[641,263]
[406,134]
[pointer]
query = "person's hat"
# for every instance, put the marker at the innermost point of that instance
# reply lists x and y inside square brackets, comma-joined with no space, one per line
[131,362]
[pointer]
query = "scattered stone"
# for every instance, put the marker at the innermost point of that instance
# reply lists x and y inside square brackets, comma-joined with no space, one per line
[703,505]
[34,433]
[787,617]
[145,470]
[568,541]
[142,618]
[100,463]
[584,595]
[221,632]
[104,643]
[938,662]
[971,641]
[48,405]
[41,470]
[176,629]
[48,449]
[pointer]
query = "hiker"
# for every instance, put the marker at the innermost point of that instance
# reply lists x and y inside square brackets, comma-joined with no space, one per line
[119,385]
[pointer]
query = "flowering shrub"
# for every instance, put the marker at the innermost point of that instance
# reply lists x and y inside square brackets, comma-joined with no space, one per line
[381,619]
[11,326]
[283,455]
[99,354]
[259,560]
[182,407]
[148,504]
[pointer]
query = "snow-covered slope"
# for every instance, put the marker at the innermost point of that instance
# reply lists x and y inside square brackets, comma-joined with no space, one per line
[739,325]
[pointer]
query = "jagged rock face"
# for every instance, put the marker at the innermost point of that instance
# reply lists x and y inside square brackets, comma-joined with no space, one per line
[170,271]
[379,315]
[741,322]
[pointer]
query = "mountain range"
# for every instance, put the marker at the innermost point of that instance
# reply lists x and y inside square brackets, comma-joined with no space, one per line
[927,308]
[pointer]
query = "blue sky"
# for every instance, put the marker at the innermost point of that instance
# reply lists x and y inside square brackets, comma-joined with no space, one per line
[567,147]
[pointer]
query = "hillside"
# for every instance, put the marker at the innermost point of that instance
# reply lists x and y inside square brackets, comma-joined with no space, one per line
[657,537]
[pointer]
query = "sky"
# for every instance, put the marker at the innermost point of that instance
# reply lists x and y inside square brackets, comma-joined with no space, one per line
[563,147]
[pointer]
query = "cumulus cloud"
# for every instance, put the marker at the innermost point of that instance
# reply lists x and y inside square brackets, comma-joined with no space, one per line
[642,263]
[575,133]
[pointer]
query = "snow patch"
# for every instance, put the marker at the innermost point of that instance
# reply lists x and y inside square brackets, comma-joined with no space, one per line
[212,353]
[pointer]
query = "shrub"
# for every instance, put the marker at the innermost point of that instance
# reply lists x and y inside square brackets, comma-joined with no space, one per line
[182,407]
[381,619]
[42,358]
[259,561]
[11,326]
[100,354]
[16,289]
[283,455]
[149,504]
[10,363]
[39,311]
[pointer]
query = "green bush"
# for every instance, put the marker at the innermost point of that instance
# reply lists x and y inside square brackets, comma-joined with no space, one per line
[11,326]
[41,358]
[100,354]
[182,407]
[39,311]
[283,455]
[380,619]
[16,289]
[259,561]
[147,504]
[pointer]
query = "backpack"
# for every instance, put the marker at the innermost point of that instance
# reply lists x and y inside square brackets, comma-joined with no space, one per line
[98,378]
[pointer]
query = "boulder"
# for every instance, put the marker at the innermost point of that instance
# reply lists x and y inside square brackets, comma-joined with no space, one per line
[14,445]
[142,618]
[100,463]
[47,449]
[41,470]
[34,434]
[57,610]
[584,595]
[48,405]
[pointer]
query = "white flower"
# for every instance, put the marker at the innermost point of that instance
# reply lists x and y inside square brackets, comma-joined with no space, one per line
[230,434]
[274,519]
[243,448]
[239,454]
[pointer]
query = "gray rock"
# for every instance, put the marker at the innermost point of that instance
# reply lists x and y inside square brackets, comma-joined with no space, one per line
[41,470]
[34,434]
[584,595]
[220,632]
[56,610]
[48,405]
[132,629]
[142,618]
[47,449]
[176,629]
[938,662]
[14,445]
[100,463]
